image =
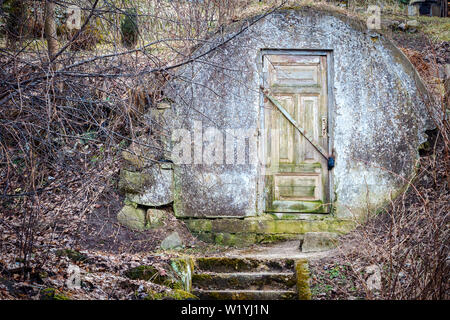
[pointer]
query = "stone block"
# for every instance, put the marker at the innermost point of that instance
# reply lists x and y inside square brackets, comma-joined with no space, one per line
[412,24]
[132,217]
[133,182]
[152,188]
[235,239]
[172,241]
[155,217]
[319,241]
[302,274]
[199,225]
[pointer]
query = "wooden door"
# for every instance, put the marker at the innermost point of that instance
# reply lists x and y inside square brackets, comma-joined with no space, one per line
[296,173]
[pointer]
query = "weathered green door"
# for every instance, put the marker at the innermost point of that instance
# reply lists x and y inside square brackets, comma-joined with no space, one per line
[296,173]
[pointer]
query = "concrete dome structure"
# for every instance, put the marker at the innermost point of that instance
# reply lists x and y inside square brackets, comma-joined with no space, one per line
[330,84]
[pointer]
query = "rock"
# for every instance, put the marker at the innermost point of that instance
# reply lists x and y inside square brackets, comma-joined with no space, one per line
[155,218]
[402,26]
[394,24]
[151,188]
[132,217]
[139,155]
[143,272]
[133,182]
[173,241]
[167,278]
[319,241]
[139,219]
[412,24]
[163,105]
[374,279]
[134,155]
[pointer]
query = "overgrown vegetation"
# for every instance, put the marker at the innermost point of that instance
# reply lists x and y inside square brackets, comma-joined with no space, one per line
[129,28]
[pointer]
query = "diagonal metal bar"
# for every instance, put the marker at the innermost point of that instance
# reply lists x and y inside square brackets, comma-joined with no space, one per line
[294,123]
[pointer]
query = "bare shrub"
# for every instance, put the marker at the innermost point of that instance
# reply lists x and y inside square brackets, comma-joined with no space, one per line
[409,239]
[65,119]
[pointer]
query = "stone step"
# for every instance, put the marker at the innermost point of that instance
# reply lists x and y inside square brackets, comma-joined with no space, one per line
[233,265]
[265,229]
[245,280]
[245,294]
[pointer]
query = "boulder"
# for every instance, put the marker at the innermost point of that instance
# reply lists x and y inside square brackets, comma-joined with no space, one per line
[374,280]
[155,218]
[172,241]
[132,217]
[150,273]
[412,24]
[152,187]
[319,241]
[133,182]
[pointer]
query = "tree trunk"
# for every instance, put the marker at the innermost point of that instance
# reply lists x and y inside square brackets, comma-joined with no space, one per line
[50,29]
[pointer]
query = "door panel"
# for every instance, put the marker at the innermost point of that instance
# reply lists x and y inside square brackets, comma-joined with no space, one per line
[297,179]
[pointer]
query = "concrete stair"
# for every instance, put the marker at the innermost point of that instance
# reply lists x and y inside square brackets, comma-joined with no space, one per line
[249,279]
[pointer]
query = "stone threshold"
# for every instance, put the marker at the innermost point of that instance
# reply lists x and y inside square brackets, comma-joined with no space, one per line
[241,232]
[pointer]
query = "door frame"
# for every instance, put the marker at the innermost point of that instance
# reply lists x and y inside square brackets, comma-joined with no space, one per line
[261,203]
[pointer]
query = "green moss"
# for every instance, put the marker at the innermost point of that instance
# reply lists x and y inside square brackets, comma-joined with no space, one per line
[235,239]
[238,295]
[199,225]
[303,207]
[153,295]
[205,236]
[182,295]
[202,277]
[52,294]
[175,294]
[302,274]
[143,272]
